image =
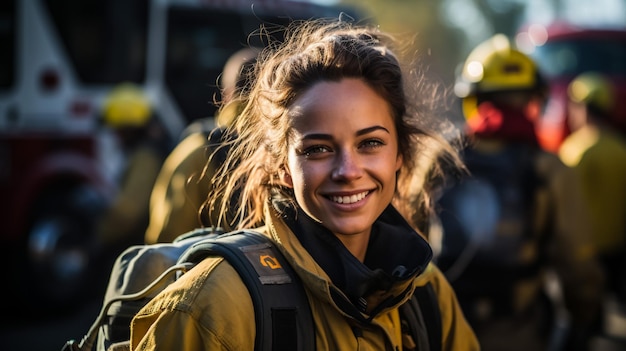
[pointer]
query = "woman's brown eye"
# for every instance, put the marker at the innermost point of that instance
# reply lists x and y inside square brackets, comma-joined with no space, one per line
[373,143]
[315,150]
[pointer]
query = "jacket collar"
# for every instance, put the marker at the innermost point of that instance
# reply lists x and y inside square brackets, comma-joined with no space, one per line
[396,255]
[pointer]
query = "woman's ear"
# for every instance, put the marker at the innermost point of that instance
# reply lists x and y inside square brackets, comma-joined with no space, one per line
[399,160]
[285,178]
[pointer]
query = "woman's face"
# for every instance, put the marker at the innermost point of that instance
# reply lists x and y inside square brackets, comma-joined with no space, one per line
[343,155]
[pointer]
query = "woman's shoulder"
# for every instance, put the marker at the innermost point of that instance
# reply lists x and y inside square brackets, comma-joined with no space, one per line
[435,277]
[210,292]
[456,332]
[209,305]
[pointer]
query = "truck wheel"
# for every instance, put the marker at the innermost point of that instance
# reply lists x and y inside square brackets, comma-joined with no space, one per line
[60,249]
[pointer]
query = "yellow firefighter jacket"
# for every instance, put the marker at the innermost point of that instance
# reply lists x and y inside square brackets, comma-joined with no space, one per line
[209,308]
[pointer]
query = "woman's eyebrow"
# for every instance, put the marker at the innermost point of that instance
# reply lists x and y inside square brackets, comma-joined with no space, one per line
[321,136]
[317,136]
[371,129]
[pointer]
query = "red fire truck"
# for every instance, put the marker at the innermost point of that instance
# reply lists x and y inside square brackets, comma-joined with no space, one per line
[59,60]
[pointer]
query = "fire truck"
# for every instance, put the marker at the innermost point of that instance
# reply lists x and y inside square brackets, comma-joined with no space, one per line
[564,50]
[59,60]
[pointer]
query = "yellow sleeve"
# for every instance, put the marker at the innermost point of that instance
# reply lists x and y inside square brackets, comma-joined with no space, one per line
[178,191]
[171,330]
[456,333]
[208,308]
[571,252]
[127,215]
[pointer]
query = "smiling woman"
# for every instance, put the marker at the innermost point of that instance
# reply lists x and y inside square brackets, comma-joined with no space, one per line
[327,151]
[343,158]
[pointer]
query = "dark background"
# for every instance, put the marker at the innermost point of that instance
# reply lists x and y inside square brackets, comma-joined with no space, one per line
[35,332]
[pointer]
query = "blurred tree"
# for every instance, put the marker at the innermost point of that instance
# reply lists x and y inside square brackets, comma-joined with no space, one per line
[444,31]
[420,22]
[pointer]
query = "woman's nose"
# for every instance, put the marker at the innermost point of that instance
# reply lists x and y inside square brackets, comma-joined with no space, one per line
[347,166]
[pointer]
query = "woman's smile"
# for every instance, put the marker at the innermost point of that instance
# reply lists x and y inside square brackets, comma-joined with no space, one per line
[348,199]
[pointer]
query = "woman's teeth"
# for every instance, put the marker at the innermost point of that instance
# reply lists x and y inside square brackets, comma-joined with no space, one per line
[348,199]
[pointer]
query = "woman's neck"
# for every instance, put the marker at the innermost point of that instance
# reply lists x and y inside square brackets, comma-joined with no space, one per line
[356,244]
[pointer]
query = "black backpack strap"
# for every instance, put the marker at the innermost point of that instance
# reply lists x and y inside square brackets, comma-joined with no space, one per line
[282,312]
[423,318]
[429,304]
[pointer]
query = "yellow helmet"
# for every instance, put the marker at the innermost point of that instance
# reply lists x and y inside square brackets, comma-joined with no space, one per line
[594,90]
[493,66]
[126,106]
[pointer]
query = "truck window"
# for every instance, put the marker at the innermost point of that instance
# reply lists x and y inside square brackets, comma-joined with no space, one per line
[105,40]
[198,44]
[571,57]
[7,44]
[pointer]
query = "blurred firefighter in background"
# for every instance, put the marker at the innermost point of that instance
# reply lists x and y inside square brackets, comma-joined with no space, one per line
[144,144]
[180,192]
[597,151]
[518,216]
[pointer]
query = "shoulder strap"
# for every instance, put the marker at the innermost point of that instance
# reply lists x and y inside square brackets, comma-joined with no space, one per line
[423,317]
[282,312]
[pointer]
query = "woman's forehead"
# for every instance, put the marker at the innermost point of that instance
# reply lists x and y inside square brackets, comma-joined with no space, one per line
[350,101]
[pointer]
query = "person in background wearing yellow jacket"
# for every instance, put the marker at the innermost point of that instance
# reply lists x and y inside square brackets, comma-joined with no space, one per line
[144,144]
[180,191]
[331,133]
[597,151]
[519,219]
